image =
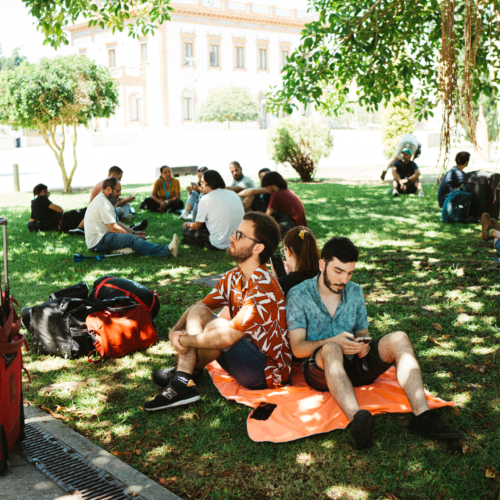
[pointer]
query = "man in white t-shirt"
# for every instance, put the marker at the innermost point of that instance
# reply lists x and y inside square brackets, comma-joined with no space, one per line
[103,231]
[220,212]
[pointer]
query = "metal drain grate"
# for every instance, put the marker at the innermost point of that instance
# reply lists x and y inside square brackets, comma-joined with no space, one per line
[69,470]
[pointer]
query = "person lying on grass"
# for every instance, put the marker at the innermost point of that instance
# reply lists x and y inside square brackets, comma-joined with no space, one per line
[123,204]
[104,232]
[249,339]
[47,216]
[490,230]
[328,327]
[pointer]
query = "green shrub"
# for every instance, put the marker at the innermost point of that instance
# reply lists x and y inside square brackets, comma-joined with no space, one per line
[397,120]
[300,143]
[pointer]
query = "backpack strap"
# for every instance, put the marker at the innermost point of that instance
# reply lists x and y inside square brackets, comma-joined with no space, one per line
[127,294]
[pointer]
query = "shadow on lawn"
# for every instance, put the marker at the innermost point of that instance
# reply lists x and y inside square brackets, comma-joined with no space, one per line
[414,270]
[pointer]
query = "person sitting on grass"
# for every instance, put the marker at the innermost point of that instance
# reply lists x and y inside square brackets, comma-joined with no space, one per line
[454,178]
[195,193]
[47,216]
[408,141]
[103,231]
[166,193]
[406,176]
[256,199]
[123,205]
[327,319]
[249,339]
[490,230]
[240,182]
[302,258]
[219,212]
[284,205]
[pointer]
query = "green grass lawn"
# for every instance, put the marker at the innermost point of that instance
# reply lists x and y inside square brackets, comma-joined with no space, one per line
[414,270]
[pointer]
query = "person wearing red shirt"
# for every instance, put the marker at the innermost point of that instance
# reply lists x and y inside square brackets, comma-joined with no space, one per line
[249,338]
[284,205]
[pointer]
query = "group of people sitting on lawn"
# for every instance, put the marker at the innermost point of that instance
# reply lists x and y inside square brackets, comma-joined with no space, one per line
[315,313]
[213,208]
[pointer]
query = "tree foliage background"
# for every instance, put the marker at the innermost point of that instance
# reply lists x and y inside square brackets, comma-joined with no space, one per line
[301,143]
[14,60]
[139,17]
[231,104]
[66,91]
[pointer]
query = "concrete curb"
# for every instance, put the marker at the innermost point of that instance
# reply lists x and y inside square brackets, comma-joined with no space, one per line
[135,481]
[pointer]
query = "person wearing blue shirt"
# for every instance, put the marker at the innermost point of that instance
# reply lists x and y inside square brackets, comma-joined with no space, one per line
[454,178]
[327,321]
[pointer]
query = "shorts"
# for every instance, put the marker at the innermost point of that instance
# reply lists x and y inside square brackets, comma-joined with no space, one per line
[361,371]
[410,188]
[245,363]
[71,219]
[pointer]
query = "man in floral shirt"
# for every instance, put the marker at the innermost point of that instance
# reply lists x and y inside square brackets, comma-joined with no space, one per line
[249,338]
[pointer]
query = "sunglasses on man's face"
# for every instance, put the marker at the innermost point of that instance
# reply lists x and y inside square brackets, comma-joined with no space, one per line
[238,235]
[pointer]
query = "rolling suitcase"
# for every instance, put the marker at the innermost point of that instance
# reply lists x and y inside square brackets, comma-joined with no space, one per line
[11,365]
[483,186]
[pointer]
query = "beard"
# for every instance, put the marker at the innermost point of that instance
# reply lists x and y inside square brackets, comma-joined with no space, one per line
[240,255]
[113,199]
[238,177]
[329,284]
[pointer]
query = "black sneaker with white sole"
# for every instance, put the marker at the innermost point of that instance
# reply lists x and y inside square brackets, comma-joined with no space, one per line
[429,425]
[161,378]
[76,232]
[175,394]
[140,226]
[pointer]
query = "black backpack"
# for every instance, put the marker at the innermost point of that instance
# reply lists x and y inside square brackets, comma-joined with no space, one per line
[58,326]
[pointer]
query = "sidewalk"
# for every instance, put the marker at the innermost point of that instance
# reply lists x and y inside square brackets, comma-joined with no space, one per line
[25,481]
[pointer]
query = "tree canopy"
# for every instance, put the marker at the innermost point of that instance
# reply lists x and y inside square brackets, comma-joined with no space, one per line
[59,92]
[15,59]
[429,50]
[140,17]
[229,104]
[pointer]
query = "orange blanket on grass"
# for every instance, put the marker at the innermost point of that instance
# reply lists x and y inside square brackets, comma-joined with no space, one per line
[302,411]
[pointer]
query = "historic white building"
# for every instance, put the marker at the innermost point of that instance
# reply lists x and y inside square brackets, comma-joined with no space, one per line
[165,77]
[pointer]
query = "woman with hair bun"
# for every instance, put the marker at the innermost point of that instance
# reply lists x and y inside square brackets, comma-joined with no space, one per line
[302,257]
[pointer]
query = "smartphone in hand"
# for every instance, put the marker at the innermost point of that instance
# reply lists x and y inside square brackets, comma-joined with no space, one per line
[278,265]
[364,340]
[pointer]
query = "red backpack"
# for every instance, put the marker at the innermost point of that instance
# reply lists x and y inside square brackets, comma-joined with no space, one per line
[120,331]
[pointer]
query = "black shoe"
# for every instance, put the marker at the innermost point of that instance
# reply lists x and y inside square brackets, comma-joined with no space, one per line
[362,429]
[429,425]
[76,232]
[140,226]
[175,394]
[161,378]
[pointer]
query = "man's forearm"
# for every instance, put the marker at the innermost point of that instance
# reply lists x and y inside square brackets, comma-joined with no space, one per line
[125,228]
[216,338]
[305,348]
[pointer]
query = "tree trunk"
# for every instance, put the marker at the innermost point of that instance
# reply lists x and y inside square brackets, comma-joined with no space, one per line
[305,167]
[58,152]
[75,163]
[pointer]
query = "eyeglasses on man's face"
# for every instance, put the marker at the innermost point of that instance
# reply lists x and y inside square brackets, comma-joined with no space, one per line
[238,235]
[119,191]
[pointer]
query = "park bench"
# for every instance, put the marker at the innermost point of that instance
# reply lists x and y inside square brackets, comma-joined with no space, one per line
[176,171]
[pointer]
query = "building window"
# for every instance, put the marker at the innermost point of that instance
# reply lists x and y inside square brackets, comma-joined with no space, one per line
[144,52]
[112,58]
[214,56]
[262,58]
[238,57]
[187,51]
[188,108]
[134,109]
[284,55]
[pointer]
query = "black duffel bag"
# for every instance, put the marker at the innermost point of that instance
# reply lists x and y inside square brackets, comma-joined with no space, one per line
[78,291]
[484,188]
[109,287]
[58,326]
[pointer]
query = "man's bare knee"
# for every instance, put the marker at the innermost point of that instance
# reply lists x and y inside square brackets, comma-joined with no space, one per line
[399,338]
[328,353]
[199,316]
[216,323]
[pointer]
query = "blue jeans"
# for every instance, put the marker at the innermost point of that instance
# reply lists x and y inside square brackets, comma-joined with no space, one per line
[123,211]
[497,247]
[244,362]
[115,241]
[193,198]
